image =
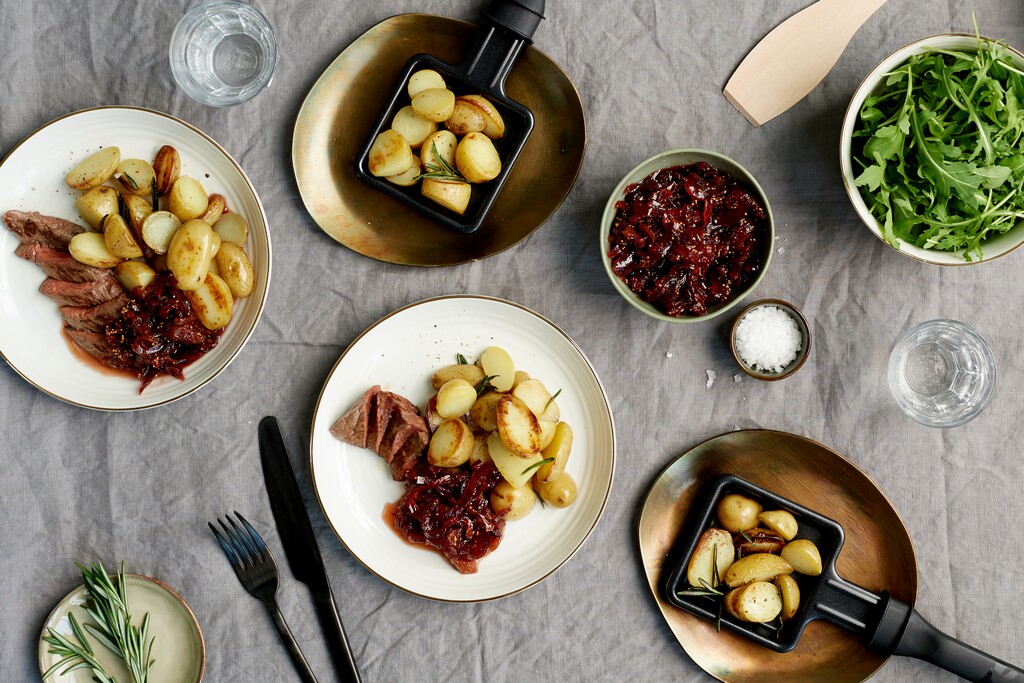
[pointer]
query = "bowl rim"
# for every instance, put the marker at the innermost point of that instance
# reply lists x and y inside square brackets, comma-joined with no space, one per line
[869,83]
[801,356]
[609,213]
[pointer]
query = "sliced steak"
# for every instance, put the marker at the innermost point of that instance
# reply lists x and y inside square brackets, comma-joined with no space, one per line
[82,293]
[353,427]
[59,264]
[94,318]
[93,343]
[35,228]
[390,426]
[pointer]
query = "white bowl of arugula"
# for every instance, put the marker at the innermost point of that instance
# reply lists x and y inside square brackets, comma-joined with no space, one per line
[931,150]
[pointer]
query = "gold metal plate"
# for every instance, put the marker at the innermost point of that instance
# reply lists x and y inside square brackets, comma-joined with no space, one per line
[343,104]
[877,555]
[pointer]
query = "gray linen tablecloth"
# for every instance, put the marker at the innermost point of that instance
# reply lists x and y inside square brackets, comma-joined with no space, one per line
[79,485]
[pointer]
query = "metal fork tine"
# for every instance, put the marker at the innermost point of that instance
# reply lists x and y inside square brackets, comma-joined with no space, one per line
[240,548]
[253,534]
[254,553]
[226,547]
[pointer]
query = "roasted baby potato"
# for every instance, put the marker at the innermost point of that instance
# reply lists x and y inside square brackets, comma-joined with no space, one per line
[136,176]
[471,373]
[91,249]
[138,210]
[804,556]
[517,501]
[187,199]
[134,274]
[455,398]
[424,79]
[534,394]
[119,238]
[498,365]
[759,567]
[214,209]
[713,548]
[559,492]
[434,104]
[235,269]
[516,471]
[484,412]
[167,167]
[444,143]
[211,301]
[407,179]
[451,445]
[477,159]
[480,452]
[558,449]
[95,169]
[189,253]
[430,414]
[465,118]
[518,427]
[158,229]
[758,541]
[96,203]
[494,124]
[390,154]
[789,591]
[757,602]
[453,196]
[738,513]
[413,127]
[232,228]
[780,521]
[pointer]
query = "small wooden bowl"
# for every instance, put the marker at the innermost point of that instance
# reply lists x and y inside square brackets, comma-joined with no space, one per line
[801,356]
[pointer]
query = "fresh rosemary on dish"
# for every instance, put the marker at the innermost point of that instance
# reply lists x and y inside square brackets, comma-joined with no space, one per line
[107,605]
[441,170]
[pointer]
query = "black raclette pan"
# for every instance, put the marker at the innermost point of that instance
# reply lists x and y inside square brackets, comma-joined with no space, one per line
[886,625]
[506,27]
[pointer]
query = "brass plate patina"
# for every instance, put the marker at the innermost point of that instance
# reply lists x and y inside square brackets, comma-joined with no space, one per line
[342,105]
[877,555]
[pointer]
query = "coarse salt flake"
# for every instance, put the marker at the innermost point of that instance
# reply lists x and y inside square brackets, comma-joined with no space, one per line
[711,378]
[768,339]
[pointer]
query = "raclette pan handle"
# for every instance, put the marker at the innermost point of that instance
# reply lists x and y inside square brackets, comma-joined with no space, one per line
[903,631]
[506,27]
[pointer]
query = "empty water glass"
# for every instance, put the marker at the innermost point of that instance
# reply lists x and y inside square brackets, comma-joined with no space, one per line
[942,373]
[223,52]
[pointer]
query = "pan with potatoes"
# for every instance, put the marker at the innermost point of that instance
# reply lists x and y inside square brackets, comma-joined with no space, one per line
[442,141]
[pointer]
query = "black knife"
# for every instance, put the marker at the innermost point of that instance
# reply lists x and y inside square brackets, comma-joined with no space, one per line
[300,544]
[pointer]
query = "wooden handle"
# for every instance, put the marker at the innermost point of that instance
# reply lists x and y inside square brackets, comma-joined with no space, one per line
[794,58]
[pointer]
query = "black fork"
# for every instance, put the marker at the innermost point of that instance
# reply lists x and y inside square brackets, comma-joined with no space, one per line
[256,569]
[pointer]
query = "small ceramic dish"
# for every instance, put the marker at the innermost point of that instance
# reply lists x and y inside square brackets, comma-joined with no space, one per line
[178,650]
[684,157]
[801,356]
[993,247]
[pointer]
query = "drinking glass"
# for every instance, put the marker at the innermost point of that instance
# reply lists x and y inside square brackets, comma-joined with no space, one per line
[223,52]
[942,373]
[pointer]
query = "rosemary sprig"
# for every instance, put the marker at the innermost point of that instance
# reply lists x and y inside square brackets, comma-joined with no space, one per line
[131,181]
[122,207]
[441,170]
[484,384]
[74,655]
[538,464]
[551,399]
[461,359]
[154,196]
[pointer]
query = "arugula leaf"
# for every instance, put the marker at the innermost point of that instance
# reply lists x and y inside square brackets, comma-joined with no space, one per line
[937,149]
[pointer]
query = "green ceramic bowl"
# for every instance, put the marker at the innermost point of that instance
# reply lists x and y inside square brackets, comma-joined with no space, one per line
[682,157]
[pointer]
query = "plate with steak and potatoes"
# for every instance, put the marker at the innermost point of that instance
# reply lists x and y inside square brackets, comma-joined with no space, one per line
[136,258]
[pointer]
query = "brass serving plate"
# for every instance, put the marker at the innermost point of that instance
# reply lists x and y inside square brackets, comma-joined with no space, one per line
[878,553]
[342,105]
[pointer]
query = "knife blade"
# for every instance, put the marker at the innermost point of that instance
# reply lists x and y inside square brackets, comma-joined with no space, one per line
[300,545]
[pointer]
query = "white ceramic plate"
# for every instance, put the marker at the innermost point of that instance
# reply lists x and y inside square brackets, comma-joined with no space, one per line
[32,179]
[179,650]
[400,352]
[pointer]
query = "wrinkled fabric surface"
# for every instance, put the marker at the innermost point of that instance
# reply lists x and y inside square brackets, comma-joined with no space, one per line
[79,485]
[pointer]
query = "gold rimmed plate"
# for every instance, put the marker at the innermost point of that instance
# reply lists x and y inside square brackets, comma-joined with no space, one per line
[344,102]
[178,649]
[878,553]
[399,353]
